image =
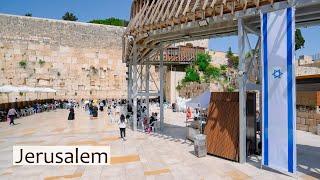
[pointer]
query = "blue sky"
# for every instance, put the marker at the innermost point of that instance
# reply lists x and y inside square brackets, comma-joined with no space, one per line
[87,10]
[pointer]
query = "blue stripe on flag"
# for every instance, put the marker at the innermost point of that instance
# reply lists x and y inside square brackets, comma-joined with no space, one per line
[265,73]
[290,89]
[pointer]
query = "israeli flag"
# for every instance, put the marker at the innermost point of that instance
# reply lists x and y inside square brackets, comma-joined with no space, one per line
[278,90]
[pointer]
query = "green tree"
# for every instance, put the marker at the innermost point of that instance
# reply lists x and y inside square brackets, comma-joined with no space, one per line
[212,72]
[203,61]
[111,21]
[229,53]
[299,40]
[192,75]
[69,17]
[223,67]
[233,61]
[28,14]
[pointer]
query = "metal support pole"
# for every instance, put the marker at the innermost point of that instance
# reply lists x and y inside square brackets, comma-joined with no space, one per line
[242,93]
[135,88]
[141,82]
[161,70]
[147,86]
[130,83]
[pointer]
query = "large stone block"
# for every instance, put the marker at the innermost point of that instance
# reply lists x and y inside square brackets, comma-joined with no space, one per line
[302,127]
[312,129]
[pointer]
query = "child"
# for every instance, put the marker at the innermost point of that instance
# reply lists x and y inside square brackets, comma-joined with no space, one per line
[122,127]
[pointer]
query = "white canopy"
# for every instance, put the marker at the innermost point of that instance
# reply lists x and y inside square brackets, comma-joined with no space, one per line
[48,90]
[25,89]
[201,101]
[8,89]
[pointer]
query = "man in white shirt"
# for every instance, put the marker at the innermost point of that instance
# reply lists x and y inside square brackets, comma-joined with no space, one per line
[11,114]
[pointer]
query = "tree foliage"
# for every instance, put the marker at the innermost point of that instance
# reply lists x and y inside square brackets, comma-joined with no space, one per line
[212,72]
[28,14]
[192,75]
[111,21]
[68,16]
[223,67]
[233,61]
[299,40]
[203,61]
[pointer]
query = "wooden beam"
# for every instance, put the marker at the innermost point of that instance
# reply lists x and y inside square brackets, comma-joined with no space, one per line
[173,10]
[179,9]
[196,5]
[166,14]
[161,12]
[213,3]
[151,7]
[205,4]
[153,12]
[186,9]
[142,14]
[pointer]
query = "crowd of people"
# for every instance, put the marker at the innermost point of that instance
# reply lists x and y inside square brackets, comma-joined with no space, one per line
[118,111]
[33,108]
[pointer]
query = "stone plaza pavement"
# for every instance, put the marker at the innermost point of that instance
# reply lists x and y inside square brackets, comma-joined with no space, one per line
[143,156]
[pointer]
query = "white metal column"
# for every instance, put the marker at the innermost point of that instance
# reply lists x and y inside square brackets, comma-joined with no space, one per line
[130,83]
[161,70]
[135,87]
[242,93]
[147,86]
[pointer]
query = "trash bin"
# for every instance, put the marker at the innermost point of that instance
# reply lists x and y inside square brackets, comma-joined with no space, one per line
[200,145]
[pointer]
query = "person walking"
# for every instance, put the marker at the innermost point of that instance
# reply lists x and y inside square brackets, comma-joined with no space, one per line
[122,127]
[110,114]
[101,105]
[11,115]
[71,114]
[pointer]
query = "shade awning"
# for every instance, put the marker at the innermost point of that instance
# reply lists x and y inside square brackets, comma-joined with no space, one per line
[201,101]
[8,89]
[25,89]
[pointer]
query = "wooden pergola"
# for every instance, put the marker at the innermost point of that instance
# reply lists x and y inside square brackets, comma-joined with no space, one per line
[156,24]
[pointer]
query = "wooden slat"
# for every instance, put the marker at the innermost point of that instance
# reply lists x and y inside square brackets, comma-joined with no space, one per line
[166,14]
[151,7]
[158,3]
[173,10]
[161,12]
[156,13]
[179,9]
[213,3]
[142,14]
[205,4]
[196,5]
[186,9]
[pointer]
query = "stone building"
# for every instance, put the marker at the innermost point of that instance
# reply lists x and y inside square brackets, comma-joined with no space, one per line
[79,60]
[218,58]
[307,65]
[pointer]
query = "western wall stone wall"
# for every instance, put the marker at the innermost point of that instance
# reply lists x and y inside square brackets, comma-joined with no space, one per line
[79,60]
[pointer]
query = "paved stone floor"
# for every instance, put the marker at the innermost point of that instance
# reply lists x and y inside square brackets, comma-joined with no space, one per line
[143,156]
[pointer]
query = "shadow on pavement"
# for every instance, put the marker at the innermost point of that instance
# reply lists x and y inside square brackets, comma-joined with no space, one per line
[172,133]
[308,160]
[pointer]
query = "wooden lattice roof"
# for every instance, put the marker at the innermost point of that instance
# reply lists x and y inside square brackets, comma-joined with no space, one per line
[155,14]
[171,21]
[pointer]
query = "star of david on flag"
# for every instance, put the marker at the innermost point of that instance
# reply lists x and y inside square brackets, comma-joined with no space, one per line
[277,74]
